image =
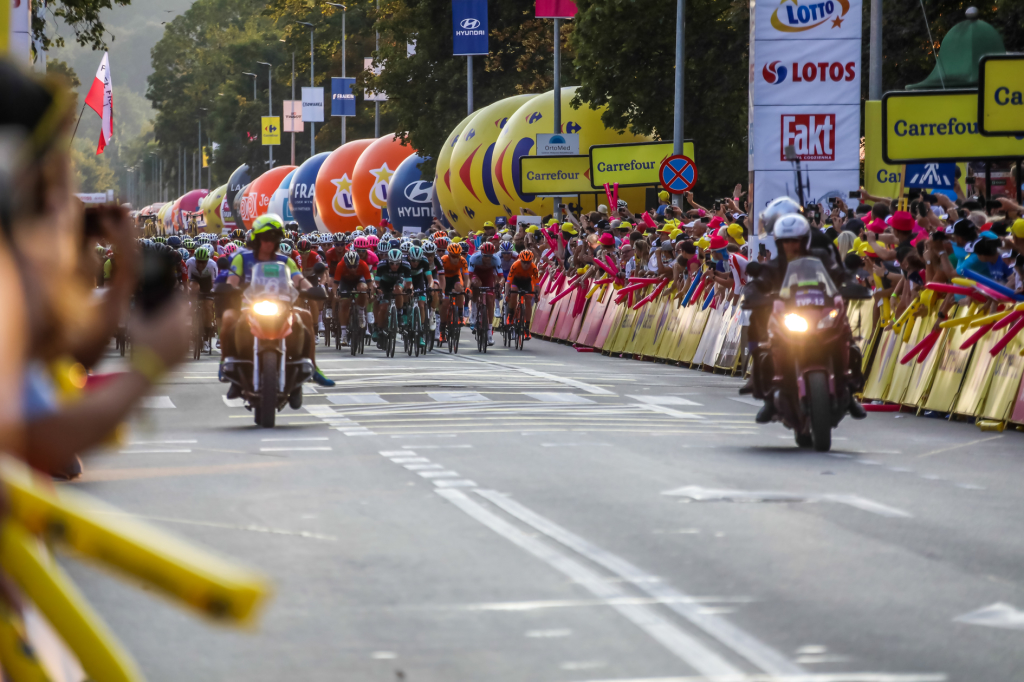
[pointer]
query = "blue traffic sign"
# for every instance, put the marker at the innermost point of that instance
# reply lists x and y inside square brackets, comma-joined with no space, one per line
[678,174]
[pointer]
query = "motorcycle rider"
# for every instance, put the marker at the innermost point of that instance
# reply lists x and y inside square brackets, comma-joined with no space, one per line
[236,339]
[794,238]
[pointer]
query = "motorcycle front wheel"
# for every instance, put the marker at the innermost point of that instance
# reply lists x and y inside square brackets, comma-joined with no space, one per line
[819,410]
[267,409]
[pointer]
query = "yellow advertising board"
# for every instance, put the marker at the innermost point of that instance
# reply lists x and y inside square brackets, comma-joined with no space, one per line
[271,130]
[923,125]
[631,165]
[555,176]
[880,178]
[1001,94]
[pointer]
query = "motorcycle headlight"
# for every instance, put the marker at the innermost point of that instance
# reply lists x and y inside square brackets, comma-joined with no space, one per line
[829,320]
[269,308]
[795,323]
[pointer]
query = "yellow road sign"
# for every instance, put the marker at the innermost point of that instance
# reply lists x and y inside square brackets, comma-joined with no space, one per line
[631,165]
[939,125]
[555,176]
[1001,94]
[271,130]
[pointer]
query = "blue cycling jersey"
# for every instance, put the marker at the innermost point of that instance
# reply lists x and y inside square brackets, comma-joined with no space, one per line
[485,262]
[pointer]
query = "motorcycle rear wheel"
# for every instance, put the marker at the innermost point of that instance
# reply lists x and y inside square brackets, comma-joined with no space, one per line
[819,408]
[266,411]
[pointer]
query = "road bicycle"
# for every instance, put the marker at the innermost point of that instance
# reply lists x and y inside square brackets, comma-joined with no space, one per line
[482,321]
[202,336]
[451,328]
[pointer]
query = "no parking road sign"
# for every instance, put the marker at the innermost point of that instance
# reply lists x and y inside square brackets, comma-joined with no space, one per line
[678,174]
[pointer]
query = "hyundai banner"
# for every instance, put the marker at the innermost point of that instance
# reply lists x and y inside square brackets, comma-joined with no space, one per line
[805,93]
[343,98]
[469,27]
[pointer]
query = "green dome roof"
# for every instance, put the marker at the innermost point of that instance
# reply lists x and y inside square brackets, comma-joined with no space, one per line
[965,44]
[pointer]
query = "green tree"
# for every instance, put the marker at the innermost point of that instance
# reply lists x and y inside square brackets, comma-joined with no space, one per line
[82,16]
[427,91]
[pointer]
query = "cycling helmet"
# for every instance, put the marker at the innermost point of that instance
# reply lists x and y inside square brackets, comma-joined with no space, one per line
[361,243]
[285,248]
[416,253]
[230,249]
[239,244]
[395,243]
[288,241]
[372,240]
[441,243]
[183,252]
[203,253]
[526,256]
[189,244]
[394,256]
[429,248]
[506,247]
[793,226]
[455,249]
[488,248]
[775,210]
[351,259]
[238,233]
[370,229]
[338,238]
[357,233]
[304,245]
[174,241]
[161,240]
[404,247]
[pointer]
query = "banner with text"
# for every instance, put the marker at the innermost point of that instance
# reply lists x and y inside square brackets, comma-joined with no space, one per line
[343,97]
[469,27]
[313,105]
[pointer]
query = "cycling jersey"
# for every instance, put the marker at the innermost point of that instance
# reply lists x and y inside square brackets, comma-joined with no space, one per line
[524,276]
[388,277]
[453,269]
[241,265]
[370,258]
[309,260]
[361,273]
[204,277]
[484,262]
[507,259]
[421,268]
[333,257]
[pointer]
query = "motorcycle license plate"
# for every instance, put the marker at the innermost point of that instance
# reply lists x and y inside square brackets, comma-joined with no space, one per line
[805,298]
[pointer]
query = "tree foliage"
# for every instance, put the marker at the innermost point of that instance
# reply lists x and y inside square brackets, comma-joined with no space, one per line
[427,90]
[82,16]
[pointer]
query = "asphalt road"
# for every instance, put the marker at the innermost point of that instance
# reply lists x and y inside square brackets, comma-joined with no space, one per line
[555,516]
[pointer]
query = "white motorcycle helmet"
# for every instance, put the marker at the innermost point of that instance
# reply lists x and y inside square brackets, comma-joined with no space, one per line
[775,209]
[793,226]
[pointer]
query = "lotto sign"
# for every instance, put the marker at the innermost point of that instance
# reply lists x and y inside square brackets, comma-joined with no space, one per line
[939,126]
[631,165]
[678,174]
[807,20]
[1001,95]
[271,130]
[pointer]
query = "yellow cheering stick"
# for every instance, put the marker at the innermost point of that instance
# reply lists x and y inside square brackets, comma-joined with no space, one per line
[972,315]
[23,558]
[886,308]
[18,656]
[903,319]
[207,583]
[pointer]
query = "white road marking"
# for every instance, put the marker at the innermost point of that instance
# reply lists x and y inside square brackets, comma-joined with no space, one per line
[589,388]
[157,402]
[383,655]
[670,412]
[423,467]
[806,677]
[287,440]
[308,389]
[457,397]
[583,665]
[560,398]
[299,449]
[321,410]
[439,474]
[678,642]
[998,615]
[753,402]
[586,603]
[356,399]
[746,645]
[456,483]
[409,460]
[229,526]
[663,400]
[397,453]
[462,446]
[699,494]
[160,442]
[151,452]
[544,634]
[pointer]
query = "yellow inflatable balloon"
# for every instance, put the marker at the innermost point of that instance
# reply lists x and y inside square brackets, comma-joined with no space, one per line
[472,183]
[210,206]
[519,137]
[443,175]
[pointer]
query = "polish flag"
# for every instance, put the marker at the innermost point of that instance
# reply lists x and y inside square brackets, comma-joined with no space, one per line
[101,100]
[556,9]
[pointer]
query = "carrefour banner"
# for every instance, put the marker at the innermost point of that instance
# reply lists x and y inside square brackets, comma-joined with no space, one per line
[555,176]
[469,27]
[939,126]
[630,165]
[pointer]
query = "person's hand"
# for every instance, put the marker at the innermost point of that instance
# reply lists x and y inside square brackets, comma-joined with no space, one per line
[165,333]
[863,196]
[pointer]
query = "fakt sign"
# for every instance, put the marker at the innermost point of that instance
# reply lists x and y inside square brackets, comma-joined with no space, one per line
[812,135]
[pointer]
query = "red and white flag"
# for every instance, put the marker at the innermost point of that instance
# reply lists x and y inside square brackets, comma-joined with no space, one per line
[101,100]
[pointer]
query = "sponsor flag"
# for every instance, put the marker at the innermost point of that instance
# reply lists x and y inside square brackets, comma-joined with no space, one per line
[101,100]
[556,9]
[469,27]
[343,98]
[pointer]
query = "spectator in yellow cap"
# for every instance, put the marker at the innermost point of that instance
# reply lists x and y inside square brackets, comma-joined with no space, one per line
[663,202]
[1017,235]
[568,228]
[735,234]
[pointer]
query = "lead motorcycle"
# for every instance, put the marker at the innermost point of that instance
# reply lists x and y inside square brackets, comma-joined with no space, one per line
[270,380]
[809,336]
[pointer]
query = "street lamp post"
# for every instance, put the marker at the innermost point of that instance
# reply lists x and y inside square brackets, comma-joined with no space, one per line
[200,176]
[254,76]
[270,104]
[344,11]
[312,125]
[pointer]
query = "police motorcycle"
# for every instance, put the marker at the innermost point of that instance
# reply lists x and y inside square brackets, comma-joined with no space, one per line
[270,380]
[806,367]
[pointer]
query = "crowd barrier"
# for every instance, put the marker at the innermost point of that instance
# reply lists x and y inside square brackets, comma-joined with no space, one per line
[949,377]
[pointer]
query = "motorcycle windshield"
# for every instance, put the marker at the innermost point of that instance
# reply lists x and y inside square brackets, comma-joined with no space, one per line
[806,273]
[270,282]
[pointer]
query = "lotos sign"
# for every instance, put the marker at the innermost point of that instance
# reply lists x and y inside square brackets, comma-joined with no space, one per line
[1001,94]
[942,125]
[631,165]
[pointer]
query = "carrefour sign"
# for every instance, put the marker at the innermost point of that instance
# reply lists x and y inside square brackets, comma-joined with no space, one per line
[555,175]
[1001,94]
[939,126]
[631,165]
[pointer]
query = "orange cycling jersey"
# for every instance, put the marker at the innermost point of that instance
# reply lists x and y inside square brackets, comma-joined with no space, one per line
[523,270]
[454,268]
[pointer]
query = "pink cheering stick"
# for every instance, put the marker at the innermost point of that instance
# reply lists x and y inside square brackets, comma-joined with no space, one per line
[654,294]
[581,300]
[1007,337]
[956,289]
[992,293]
[921,349]
[568,290]
[1012,317]
[607,268]
[648,220]
[976,336]
[556,283]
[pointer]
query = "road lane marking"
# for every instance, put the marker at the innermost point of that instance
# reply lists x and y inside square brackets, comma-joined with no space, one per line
[753,402]
[560,398]
[807,677]
[356,399]
[545,634]
[422,467]
[746,645]
[457,397]
[106,475]
[664,400]
[252,528]
[151,452]
[160,442]
[439,474]
[157,402]
[589,388]
[288,440]
[998,615]
[455,483]
[670,412]
[299,449]
[700,494]
[410,460]
[684,646]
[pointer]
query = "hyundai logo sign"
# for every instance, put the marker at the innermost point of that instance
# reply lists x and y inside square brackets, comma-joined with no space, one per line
[470,24]
[419,191]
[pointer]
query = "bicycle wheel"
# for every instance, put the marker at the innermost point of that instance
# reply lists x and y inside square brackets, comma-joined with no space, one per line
[197,333]
[520,325]
[417,330]
[328,320]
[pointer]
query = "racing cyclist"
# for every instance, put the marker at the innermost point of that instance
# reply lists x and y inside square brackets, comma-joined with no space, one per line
[483,265]
[452,266]
[392,279]
[201,275]
[522,280]
[422,276]
[352,275]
